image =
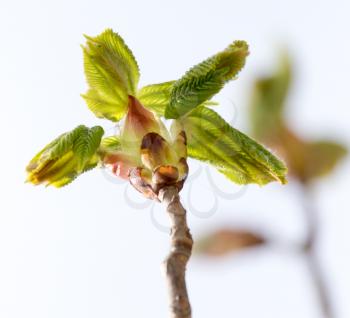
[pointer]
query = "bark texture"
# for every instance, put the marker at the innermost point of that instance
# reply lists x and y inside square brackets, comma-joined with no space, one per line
[180,253]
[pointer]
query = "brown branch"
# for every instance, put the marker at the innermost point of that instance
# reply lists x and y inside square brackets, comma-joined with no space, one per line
[313,263]
[180,253]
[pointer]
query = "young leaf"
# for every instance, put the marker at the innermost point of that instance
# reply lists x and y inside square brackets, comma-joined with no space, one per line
[111,143]
[104,107]
[234,154]
[69,155]
[112,74]
[105,98]
[206,79]
[86,144]
[156,97]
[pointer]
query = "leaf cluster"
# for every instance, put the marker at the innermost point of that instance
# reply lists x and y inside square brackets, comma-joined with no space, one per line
[112,75]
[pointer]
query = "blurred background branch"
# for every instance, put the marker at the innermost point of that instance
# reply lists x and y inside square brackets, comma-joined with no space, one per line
[307,161]
[309,251]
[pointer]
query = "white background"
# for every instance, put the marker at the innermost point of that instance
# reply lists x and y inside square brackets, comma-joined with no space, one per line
[83,251]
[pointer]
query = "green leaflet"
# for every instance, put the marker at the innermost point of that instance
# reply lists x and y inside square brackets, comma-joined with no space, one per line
[66,174]
[109,145]
[110,109]
[206,79]
[69,155]
[105,97]
[112,74]
[156,97]
[110,52]
[59,146]
[234,154]
[86,144]
[83,141]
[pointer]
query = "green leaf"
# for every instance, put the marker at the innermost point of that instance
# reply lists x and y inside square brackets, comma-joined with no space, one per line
[156,97]
[61,145]
[111,143]
[86,144]
[69,155]
[112,74]
[110,52]
[206,79]
[106,98]
[103,107]
[268,100]
[238,157]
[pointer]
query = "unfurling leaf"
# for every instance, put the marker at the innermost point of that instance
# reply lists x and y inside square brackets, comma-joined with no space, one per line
[225,241]
[238,157]
[139,121]
[156,97]
[112,74]
[161,165]
[69,155]
[155,151]
[146,153]
[206,79]
[110,143]
[86,144]
[104,107]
